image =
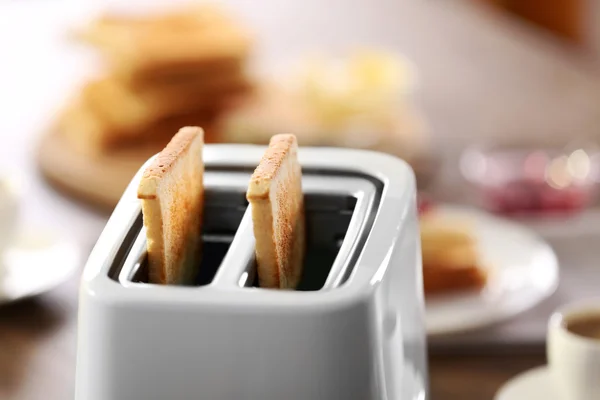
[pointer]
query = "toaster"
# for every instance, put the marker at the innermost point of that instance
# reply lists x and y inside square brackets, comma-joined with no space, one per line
[353,329]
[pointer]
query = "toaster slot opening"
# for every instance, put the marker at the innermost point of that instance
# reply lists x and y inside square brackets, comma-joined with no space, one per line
[328,218]
[339,214]
[223,212]
[214,248]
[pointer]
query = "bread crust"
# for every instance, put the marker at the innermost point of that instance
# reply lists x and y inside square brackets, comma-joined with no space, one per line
[172,194]
[275,194]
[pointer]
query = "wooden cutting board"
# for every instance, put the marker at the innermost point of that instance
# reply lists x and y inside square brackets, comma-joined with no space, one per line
[99,179]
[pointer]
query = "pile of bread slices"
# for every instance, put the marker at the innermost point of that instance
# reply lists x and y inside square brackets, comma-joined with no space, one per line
[160,71]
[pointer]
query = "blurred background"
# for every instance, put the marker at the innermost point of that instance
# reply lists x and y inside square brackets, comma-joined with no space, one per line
[495,104]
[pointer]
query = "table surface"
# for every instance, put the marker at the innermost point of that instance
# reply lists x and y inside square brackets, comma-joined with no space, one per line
[481,78]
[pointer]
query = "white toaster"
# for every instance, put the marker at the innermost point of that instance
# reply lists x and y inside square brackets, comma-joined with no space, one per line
[354,329]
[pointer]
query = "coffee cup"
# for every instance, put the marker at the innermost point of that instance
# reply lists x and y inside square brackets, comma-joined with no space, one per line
[573,350]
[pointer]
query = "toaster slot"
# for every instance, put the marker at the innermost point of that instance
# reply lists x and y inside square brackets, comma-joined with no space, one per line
[327,229]
[214,250]
[328,218]
[223,212]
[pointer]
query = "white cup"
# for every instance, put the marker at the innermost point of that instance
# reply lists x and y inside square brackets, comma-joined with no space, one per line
[9,212]
[574,360]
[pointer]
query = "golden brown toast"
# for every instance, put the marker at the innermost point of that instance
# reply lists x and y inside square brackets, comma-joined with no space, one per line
[91,133]
[197,36]
[172,194]
[438,280]
[451,261]
[275,194]
[82,128]
[200,75]
[127,109]
[107,27]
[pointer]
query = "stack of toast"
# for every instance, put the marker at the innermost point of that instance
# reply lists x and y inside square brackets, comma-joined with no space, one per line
[190,66]
[451,262]
[182,67]
[172,196]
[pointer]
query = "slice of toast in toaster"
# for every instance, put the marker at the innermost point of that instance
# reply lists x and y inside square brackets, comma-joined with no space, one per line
[275,194]
[172,194]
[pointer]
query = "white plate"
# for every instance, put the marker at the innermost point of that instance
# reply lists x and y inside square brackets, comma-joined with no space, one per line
[34,264]
[524,272]
[530,385]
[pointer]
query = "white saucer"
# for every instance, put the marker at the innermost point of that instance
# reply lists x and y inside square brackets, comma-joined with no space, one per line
[524,271]
[36,263]
[530,385]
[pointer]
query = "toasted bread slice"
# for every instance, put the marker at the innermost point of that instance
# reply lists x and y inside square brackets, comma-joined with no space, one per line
[172,193]
[445,232]
[442,280]
[200,36]
[451,262]
[275,194]
[125,109]
[450,256]
[91,134]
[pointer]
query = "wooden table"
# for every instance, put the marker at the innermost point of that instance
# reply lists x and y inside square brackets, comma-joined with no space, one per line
[482,78]
[37,350]
[475,377]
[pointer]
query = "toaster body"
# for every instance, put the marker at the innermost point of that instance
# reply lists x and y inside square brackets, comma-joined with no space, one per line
[354,329]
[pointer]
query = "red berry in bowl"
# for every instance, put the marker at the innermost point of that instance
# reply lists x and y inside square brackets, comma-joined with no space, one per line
[424,205]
